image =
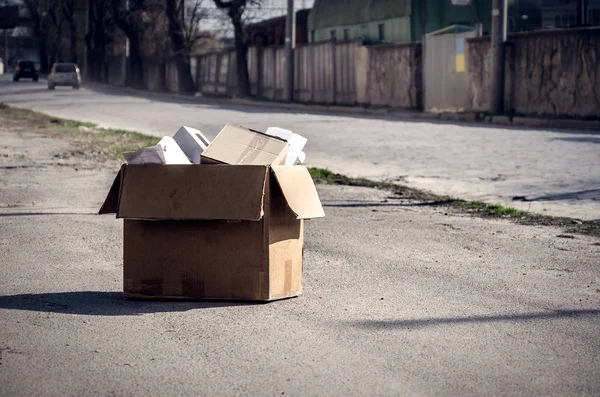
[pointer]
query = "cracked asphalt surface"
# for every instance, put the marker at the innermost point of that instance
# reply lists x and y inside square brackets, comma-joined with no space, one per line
[399,299]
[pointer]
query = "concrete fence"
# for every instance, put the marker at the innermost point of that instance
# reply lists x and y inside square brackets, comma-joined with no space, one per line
[155,75]
[214,73]
[332,73]
[549,73]
[116,70]
[326,73]
[159,74]
[394,76]
[478,67]
[266,70]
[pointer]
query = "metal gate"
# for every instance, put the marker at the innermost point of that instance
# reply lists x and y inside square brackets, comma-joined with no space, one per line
[445,68]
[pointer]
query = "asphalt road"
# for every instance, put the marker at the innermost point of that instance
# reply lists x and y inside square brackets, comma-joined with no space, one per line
[558,172]
[399,300]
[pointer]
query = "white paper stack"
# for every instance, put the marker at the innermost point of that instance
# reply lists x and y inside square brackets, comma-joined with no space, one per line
[188,144]
[192,142]
[172,152]
[296,141]
[166,152]
[147,155]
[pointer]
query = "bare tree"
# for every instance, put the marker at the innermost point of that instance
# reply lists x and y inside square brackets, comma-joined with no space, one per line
[49,20]
[96,40]
[194,14]
[128,16]
[38,11]
[184,31]
[235,10]
[68,12]
[181,54]
[55,28]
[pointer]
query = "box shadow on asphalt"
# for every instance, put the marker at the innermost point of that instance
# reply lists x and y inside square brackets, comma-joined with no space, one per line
[385,204]
[508,318]
[45,213]
[99,303]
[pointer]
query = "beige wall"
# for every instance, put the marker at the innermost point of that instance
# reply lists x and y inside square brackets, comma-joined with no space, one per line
[553,73]
[446,88]
[394,75]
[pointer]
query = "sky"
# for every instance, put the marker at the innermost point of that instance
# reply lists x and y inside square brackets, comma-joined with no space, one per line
[216,21]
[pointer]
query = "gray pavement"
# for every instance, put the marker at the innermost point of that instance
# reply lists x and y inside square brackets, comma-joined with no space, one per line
[399,299]
[557,172]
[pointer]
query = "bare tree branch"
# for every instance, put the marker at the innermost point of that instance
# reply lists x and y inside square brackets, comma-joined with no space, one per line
[235,10]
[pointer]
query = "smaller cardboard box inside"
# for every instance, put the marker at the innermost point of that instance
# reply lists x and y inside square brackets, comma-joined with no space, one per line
[213,231]
[238,145]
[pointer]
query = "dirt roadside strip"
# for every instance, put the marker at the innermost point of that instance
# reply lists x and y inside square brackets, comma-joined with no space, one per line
[104,146]
[394,113]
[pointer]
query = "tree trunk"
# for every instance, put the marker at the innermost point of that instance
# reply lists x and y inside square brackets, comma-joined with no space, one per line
[185,82]
[43,52]
[90,64]
[101,65]
[73,42]
[162,76]
[135,75]
[95,41]
[241,57]
[99,40]
[89,55]
[133,28]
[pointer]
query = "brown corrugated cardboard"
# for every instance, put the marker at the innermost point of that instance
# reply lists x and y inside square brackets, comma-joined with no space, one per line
[299,191]
[244,243]
[194,260]
[192,192]
[237,145]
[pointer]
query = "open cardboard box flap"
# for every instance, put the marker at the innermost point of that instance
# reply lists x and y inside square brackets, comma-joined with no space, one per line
[158,192]
[170,192]
[111,202]
[299,191]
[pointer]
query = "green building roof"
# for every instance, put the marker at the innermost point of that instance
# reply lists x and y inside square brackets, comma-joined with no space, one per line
[327,13]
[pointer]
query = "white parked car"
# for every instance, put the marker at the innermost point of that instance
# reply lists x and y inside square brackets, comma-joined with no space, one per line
[64,74]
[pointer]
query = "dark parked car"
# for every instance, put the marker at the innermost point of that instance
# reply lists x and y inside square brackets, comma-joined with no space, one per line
[26,70]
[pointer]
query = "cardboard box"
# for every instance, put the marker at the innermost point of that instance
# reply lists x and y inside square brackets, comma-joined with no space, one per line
[241,146]
[213,231]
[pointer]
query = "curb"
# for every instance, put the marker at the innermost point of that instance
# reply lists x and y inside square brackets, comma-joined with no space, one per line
[394,113]
[247,102]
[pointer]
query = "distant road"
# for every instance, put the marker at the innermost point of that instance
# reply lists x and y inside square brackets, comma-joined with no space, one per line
[558,172]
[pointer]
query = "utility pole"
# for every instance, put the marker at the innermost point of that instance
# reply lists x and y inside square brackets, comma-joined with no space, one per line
[5,51]
[582,11]
[504,21]
[497,58]
[290,26]
[125,58]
